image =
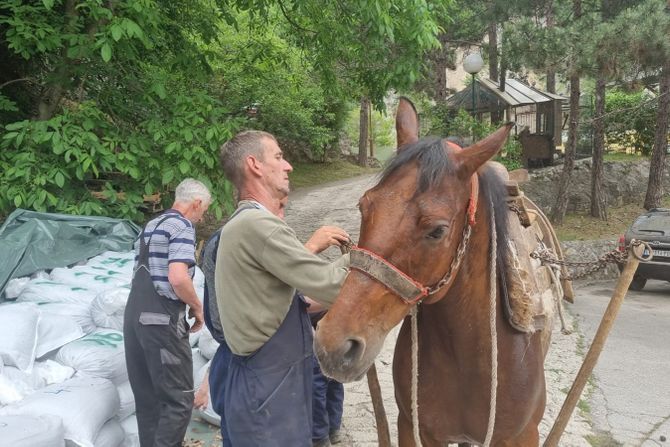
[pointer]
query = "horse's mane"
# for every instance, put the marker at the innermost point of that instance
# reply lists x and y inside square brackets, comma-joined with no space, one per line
[433,165]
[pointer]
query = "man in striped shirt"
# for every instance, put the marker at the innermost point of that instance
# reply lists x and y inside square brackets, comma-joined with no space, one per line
[158,354]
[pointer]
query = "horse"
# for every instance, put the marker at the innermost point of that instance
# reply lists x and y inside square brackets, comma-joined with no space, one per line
[430,227]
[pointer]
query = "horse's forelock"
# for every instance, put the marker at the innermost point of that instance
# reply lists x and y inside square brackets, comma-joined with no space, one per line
[433,163]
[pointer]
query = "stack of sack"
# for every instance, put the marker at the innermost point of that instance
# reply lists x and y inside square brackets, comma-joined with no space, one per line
[63,377]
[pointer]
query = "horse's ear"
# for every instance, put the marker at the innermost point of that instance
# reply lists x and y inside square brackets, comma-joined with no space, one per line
[472,157]
[406,123]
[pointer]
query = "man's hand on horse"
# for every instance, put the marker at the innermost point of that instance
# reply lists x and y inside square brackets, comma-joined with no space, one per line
[326,236]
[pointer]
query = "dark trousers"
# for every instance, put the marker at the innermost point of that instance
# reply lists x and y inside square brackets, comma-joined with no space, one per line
[327,404]
[159,362]
[218,374]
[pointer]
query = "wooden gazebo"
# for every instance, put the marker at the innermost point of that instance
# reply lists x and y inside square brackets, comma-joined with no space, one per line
[537,113]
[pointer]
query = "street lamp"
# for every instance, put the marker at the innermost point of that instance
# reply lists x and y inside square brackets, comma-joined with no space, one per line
[473,64]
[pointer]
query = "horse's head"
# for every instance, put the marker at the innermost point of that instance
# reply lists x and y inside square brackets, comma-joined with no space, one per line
[412,223]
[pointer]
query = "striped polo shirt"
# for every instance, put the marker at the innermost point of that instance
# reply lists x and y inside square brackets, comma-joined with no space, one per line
[172,241]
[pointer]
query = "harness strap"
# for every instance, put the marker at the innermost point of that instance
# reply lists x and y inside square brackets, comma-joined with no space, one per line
[389,275]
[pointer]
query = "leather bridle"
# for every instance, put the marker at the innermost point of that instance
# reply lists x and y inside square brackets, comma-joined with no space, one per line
[400,283]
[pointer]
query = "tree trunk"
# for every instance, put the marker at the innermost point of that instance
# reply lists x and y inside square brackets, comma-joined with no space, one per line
[598,208]
[493,51]
[496,115]
[441,65]
[503,64]
[658,155]
[363,135]
[551,73]
[371,131]
[53,94]
[561,206]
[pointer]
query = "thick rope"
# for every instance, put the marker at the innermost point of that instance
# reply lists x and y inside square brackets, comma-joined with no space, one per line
[494,336]
[415,376]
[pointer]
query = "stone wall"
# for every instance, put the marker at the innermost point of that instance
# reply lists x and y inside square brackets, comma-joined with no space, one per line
[623,183]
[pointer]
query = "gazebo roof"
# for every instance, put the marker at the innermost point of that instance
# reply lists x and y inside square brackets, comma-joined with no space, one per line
[489,97]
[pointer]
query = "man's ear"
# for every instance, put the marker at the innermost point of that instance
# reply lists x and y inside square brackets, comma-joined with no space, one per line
[253,165]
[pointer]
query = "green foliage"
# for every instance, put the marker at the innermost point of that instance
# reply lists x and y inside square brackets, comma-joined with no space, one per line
[383,129]
[464,126]
[631,120]
[126,101]
[265,72]
[56,164]
[358,48]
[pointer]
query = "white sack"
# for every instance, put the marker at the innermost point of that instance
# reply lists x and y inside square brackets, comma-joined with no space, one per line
[55,331]
[32,431]
[108,307]
[122,262]
[84,405]
[111,435]
[129,426]
[193,337]
[18,334]
[92,279]
[206,344]
[100,354]
[15,286]
[50,372]
[79,312]
[198,362]
[9,391]
[127,401]
[43,291]
[24,382]
[207,413]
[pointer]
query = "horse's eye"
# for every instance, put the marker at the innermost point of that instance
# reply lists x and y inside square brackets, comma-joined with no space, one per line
[438,232]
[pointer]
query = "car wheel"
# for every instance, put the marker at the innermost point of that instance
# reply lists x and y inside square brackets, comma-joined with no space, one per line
[637,283]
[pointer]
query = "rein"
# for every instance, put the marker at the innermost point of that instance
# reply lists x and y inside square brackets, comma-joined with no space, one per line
[407,288]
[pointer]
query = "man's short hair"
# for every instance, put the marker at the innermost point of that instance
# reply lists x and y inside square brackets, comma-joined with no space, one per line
[235,150]
[190,190]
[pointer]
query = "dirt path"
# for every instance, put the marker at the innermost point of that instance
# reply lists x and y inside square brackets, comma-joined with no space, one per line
[336,204]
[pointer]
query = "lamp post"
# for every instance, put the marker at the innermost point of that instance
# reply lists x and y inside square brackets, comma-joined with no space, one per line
[473,64]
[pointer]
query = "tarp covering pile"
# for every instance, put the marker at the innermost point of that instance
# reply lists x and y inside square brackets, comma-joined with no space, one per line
[32,241]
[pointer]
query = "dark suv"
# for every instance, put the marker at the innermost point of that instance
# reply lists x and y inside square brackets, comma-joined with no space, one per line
[653,227]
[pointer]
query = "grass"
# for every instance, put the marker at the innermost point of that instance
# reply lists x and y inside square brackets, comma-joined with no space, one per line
[622,156]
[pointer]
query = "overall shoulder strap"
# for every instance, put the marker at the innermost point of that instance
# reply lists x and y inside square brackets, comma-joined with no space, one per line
[144,246]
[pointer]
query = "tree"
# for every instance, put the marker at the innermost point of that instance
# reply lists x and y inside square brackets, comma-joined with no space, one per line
[654,188]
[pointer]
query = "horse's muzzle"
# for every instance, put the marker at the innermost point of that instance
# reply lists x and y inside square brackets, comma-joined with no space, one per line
[345,361]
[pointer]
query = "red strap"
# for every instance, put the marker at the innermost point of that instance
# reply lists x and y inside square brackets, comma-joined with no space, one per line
[474,190]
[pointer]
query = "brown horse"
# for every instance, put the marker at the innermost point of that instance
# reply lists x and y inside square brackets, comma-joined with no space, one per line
[414,222]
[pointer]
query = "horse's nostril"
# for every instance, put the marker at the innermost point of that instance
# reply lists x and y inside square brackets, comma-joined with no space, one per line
[353,350]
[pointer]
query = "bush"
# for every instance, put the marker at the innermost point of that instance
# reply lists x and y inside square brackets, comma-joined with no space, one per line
[631,120]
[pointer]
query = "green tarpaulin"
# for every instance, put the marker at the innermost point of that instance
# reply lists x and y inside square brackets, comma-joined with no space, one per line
[32,241]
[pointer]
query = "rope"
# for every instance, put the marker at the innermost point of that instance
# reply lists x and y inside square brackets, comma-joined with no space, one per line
[415,377]
[494,336]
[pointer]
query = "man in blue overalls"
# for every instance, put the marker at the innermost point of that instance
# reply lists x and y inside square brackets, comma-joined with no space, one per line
[214,381]
[260,264]
[158,354]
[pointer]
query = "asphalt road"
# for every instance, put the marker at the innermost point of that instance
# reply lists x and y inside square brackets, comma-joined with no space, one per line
[630,400]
